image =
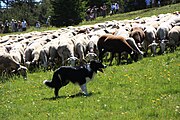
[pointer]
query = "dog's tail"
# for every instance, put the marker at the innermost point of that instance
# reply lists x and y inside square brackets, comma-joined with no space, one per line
[48,83]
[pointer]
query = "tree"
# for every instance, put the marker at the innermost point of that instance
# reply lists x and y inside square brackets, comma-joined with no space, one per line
[45,10]
[67,12]
[22,9]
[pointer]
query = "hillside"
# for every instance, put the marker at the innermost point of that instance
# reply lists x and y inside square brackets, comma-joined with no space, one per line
[147,89]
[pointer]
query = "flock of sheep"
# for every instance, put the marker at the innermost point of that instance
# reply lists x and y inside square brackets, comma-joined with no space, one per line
[75,45]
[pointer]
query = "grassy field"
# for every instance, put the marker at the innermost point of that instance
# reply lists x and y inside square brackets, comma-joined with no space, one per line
[146,90]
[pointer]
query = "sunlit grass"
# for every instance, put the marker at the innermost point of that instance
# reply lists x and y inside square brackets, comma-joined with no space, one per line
[147,89]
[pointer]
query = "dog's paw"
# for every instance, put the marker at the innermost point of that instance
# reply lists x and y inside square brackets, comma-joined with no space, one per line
[85,94]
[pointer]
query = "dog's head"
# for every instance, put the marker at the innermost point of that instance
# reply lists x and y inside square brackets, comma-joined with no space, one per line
[97,66]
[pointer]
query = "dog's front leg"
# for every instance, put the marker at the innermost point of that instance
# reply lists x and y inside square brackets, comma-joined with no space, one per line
[84,89]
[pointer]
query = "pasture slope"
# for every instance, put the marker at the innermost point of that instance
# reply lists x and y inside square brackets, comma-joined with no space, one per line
[146,90]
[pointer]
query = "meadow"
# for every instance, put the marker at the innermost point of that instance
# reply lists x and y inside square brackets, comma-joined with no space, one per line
[145,90]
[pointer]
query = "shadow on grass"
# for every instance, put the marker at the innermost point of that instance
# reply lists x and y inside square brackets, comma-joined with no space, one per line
[71,96]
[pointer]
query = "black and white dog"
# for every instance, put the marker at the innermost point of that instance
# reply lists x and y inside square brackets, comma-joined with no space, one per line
[79,74]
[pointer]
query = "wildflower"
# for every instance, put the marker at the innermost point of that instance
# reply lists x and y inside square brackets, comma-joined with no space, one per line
[126,75]
[105,105]
[153,101]
[48,114]
[169,75]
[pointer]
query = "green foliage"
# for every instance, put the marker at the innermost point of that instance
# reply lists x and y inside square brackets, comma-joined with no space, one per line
[45,10]
[21,10]
[67,12]
[31,11]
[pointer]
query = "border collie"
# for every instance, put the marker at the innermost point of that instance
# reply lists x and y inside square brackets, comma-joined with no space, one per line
[78,75]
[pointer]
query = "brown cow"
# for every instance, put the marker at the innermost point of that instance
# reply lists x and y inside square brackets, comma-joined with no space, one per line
[115,44]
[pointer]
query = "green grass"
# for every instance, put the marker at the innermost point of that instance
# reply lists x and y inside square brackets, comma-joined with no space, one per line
[146,90]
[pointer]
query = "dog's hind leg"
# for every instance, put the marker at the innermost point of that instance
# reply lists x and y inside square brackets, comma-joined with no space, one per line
[56,91]
[84,89]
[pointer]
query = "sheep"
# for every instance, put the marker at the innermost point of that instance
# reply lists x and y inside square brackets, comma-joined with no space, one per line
[162,35]
[174,37]
[17,53]
[9,65]
[66,49]
[80,42]
[150,40]
[122,32]
[114,44]
[32,54]
[48,54]
[138,35]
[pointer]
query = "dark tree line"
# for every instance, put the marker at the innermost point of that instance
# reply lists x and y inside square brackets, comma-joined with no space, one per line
[63,12]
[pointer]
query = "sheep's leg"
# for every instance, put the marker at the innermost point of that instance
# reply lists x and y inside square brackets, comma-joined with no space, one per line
[101,55]
[119,61]
[111,58]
